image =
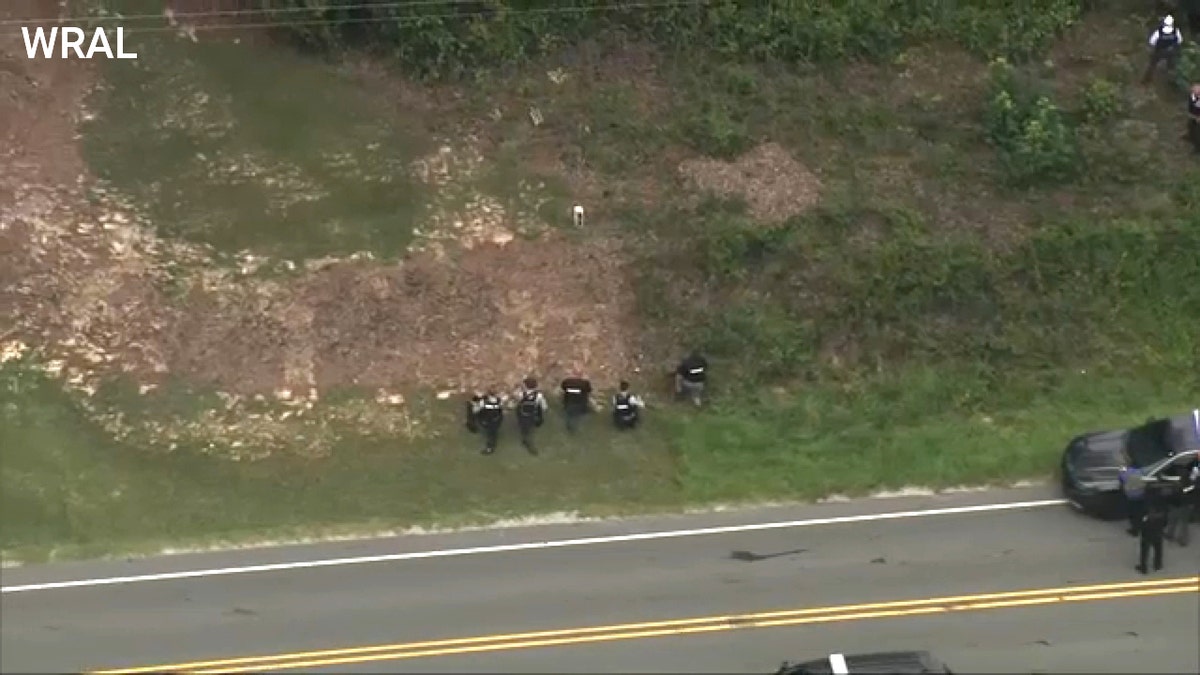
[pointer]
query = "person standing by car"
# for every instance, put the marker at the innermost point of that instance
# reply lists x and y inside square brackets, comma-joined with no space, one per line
[1153,523]
[1182,500]
[1133,485]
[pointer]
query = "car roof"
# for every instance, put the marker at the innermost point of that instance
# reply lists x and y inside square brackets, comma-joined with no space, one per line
[1156,439]
[898,663]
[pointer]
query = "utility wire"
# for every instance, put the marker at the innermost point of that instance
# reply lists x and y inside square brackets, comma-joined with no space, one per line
[185,16]
[241,12]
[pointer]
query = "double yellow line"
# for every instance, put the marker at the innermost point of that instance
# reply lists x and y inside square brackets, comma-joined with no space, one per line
[711,624]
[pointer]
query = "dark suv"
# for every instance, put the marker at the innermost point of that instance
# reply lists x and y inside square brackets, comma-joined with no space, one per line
[891,663]
[1091,463]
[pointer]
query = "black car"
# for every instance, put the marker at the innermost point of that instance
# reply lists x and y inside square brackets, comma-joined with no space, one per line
[895,663]
[1092,462]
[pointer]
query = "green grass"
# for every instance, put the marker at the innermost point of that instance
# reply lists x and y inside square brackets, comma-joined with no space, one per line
[69,490]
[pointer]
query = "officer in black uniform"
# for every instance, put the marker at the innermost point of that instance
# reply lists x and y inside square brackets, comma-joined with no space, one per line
[1153,524]
[1165,45]
[576,399]
[691,377]
[1193,131]
[627,408]
[490,414]
[531,409]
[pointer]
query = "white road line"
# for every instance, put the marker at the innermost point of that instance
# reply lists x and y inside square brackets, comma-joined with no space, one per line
[530,546]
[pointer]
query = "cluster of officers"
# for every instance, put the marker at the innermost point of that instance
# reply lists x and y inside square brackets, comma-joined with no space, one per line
[485,411]
[1161,508]
[1166,44]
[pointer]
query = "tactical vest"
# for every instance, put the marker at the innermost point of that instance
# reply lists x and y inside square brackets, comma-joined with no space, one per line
[529,405]
[624,406]
[1168,37]
[491,408]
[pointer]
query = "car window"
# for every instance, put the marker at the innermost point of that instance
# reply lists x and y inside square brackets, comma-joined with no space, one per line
[1182,458]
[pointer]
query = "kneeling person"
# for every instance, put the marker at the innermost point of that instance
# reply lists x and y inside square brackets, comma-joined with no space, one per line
[691,377]
[576,400]
[627,408]
[531,409]
[489,413]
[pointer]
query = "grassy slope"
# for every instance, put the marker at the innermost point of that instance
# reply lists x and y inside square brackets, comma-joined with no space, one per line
[988,394]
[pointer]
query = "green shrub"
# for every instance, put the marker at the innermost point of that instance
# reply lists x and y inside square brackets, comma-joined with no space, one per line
[715,130]
[732,244]
[1085,293]
[1035,141]
[1103,101]
[450,37]
[762,339]
[1187,72]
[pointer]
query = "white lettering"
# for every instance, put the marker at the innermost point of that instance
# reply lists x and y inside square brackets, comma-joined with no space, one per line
[99,43]
[72,39]
[121,53]
[40,40]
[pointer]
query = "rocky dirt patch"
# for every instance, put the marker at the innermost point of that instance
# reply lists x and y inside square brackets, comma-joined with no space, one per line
[88,291]
[774,185]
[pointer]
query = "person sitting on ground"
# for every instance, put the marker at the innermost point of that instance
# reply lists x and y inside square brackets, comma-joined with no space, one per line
[691,377]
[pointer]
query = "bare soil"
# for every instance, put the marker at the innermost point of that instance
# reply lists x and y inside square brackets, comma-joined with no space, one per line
[87,283]
[774,185]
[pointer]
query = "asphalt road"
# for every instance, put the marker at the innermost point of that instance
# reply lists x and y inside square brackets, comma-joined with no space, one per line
[820,569]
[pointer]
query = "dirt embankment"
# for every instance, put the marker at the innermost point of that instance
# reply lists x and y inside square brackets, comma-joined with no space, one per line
[83,278]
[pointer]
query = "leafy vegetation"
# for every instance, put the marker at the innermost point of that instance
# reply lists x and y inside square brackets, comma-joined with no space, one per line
[454,38]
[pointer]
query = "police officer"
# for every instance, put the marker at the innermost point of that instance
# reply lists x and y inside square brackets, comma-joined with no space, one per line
[1181,502]
[576,399]
[1193,130]
[531,410]
[1165,44]
[627,408]
[1153,522]
[691,377]
[490,415]
[1133,485]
